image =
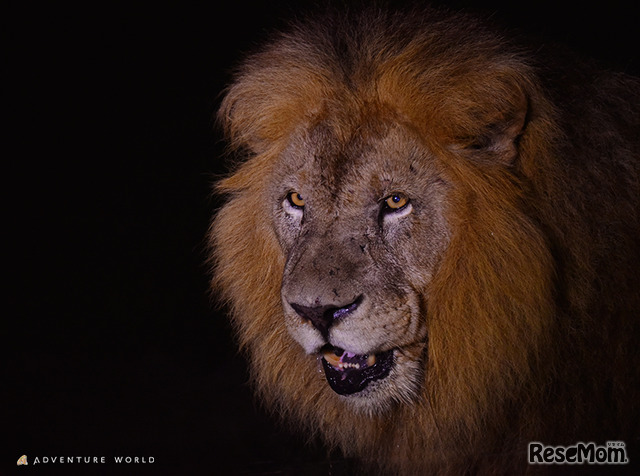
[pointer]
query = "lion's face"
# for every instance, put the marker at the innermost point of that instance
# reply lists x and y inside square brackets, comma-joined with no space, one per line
[361,222]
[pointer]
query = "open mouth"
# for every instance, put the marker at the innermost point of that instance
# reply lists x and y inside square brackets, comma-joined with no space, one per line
[349,373]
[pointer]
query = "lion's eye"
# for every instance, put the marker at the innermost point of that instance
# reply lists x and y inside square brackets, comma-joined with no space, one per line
[394,207]
[396,201]
[295,200]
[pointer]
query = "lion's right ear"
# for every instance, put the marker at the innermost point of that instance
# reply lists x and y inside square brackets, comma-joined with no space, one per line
[241,118]
[268,99]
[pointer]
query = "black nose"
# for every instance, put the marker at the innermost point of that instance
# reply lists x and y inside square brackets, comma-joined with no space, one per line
[322,317]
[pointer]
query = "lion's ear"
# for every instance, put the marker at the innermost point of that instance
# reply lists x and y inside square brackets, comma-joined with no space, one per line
[264,103]
[241,119]
[504,129]
[493,121]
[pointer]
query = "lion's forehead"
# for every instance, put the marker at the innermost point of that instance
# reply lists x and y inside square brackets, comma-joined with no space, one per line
[365,165]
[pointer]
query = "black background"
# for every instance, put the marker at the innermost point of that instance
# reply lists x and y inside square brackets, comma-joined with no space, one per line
[111,343]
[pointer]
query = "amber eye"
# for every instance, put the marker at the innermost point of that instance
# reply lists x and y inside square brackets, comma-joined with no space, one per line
[295,200]
[396,201]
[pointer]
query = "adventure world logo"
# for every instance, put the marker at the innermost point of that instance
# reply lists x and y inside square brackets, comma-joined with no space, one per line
[86,460]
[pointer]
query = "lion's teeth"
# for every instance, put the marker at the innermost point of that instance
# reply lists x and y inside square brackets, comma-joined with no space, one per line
[332,358]
[347,365]
[339,361]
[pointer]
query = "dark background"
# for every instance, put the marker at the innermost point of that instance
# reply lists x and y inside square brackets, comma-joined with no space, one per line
[112,345]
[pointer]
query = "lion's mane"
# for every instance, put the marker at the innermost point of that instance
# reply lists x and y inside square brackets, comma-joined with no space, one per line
[533,314]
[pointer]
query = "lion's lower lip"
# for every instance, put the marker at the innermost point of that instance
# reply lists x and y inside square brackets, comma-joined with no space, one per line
[349,373]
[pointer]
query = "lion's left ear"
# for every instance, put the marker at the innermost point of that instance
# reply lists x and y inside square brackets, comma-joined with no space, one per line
[492,117]
[502,131]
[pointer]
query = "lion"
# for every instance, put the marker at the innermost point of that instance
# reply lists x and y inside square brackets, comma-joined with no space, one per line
[430,241]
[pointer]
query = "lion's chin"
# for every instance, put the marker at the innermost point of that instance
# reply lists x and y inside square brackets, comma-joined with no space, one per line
[349,373]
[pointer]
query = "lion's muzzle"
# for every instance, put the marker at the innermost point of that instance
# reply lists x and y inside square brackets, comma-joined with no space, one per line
[346,372]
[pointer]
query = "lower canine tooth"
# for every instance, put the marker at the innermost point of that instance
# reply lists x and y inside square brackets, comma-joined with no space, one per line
[371,360]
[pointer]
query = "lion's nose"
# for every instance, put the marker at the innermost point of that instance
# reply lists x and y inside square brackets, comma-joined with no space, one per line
[323,316]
